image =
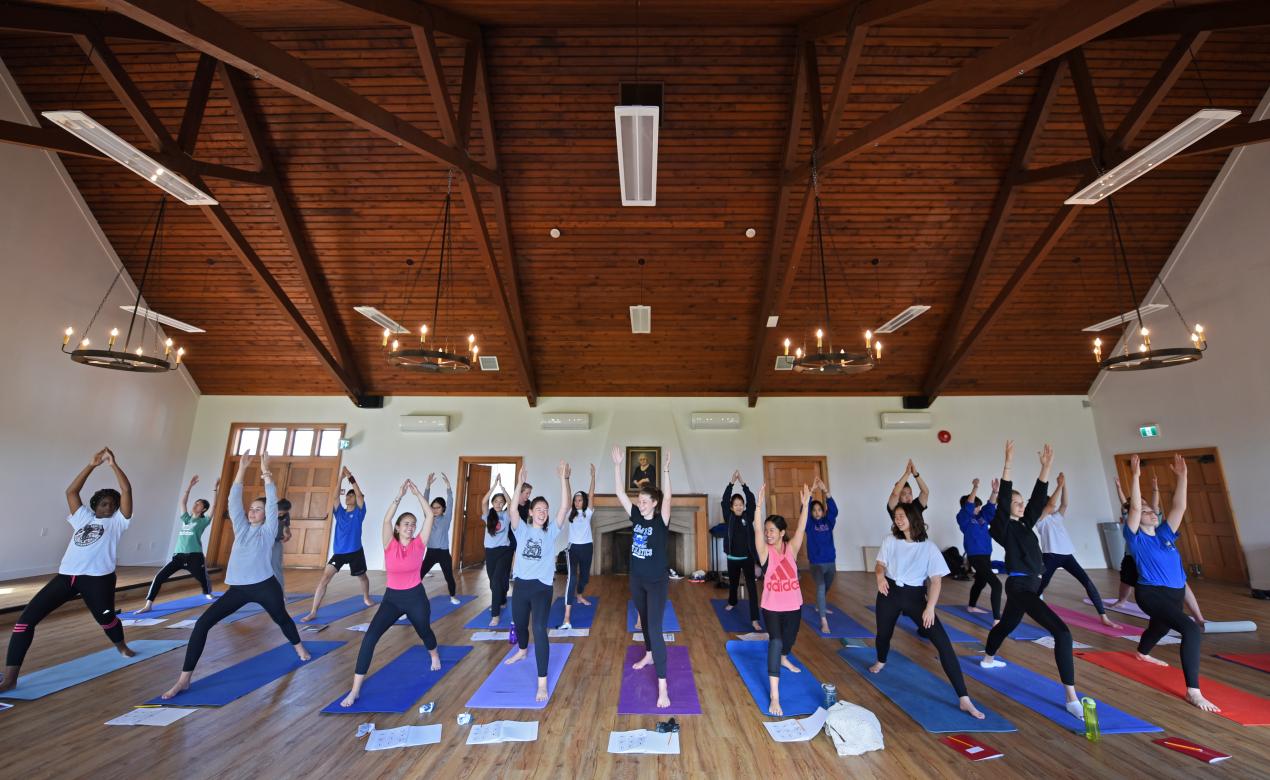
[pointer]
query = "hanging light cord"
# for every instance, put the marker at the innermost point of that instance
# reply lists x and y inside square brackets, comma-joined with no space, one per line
[119,273]
[820,241]
[445,235]
[145,271]
[1124,259]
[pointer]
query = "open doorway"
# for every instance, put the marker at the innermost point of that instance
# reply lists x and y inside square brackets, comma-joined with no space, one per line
[785,476]
[475,476]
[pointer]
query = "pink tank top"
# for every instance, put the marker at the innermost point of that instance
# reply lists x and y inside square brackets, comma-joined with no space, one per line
[403,563]
[781,591]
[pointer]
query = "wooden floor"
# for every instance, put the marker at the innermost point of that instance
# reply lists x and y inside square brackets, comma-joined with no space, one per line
[14,594]
[277,731]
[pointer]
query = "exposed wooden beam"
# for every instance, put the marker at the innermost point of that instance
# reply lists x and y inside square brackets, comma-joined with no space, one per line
[1230,137]
[1055,34]
[201,28]
[419,14]
[1065,170]
[1087,98]
[434,73]
[196,104]
[847,66]
[49,139]
[1177,60]
[858,13]
[467,92]
[24,17]
[1195,18]
[815,103]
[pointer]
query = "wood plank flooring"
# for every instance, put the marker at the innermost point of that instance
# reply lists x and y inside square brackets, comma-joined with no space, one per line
[14,594]
[277,731]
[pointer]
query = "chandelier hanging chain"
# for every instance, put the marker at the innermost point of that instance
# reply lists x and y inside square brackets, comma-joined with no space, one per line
[145,272]
[1124,259]
[824,276]
[445,239]
[118,274]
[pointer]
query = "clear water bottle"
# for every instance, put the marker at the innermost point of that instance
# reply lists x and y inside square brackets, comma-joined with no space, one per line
[511,635]
[830,694]
[1090,708]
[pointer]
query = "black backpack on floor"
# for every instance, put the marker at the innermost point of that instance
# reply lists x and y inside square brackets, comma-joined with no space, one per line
[956,564]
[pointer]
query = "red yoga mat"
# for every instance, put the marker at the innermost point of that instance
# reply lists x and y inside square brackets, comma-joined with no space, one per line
[1239,706]
[1259,661]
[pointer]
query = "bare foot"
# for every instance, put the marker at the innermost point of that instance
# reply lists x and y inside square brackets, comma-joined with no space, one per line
[1150,660]
[1115,603]
[968,707]
[349,700]
[182,684]
[10,678]
[582,600]
[775,708]
[977,610]
[638,626]
[436,661]
[757,625]
[366,600]
[645,661]
[1106,621]
[877,667]
[1195,697]
[302,652]
[146,608]
[785,662]
[309,618]
[125,651]
[494,622]
[209,597]
[519,656]
[663,701]
[541,695]
[824,626]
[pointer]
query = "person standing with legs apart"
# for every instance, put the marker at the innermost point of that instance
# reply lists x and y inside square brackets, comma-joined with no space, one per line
[499,549]
[1012,529]
[1129,570]
[820,550]
[579,553]
[782,594]
[404,594]
[535,576]
[249,574]
[439,539]
[974,519]
[1058,552]
[87,569]
[650,575]
[738,545]
[347,544]
[284,536]
[910,571]
[1161,578]
[189,546]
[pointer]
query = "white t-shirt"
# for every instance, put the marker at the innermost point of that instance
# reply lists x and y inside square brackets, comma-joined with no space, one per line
[580,528]
[1053,536]
[91,551]
[911,563]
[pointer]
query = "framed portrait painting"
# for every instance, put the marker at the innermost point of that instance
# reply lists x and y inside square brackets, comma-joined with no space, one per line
[643,468]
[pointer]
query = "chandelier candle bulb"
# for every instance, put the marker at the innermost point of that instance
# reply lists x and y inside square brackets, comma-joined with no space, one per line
[114,334]
[167,348]
[66,335]
[395,344]
[180,353]
[868,339]
[820,335]
[798,353]
[877,350]
[787,347]
[385,337]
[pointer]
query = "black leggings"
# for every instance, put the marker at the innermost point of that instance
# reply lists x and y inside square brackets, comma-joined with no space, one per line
[782,632]
[531,601]
[498,567]
[735,570]
[1023,597]
[436,556]
[99,596]
[1055,562]
[412,603]
[579,558]
[1164,606]
[984,575]
[194,563]
[911,600]
[650,603]
[267,593]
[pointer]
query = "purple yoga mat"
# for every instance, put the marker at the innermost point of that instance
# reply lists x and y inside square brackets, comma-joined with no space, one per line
[639,687]
[514,687]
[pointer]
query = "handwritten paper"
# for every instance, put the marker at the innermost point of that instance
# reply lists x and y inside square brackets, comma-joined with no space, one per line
[151,716]
[644,741]
[491,636]
[1048,641]
[404,736]
[753,636]
[563,632]
[798,729]
[638,636]
[503,731]
[141,621]
[183,623]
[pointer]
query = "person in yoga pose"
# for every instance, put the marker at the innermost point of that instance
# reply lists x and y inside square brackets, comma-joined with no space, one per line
[347,545]
[782,595]
[87,569]
[1129,570]
[649,577]
[820,550]
[1058,552]
[439,539]
[738,545]
[910,571]
[974,519]
[1161,578]
[189,546]
[578,556]
[499,549]
[902,493]
[1012,529]
[249,574]
[535,575]
[404,594]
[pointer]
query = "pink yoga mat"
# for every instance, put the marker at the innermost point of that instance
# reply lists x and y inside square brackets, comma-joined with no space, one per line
[639,687]
[1127,608]
[1091,623]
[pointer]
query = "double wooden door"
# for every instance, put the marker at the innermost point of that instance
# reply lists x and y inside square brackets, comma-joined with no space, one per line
[311,484]
[785,476]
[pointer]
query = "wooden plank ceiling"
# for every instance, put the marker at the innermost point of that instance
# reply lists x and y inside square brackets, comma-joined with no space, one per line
[918,203]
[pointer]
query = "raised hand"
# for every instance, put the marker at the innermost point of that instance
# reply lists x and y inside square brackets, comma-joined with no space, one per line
[1009,450]
[806,494]
[736,476]
[1135,466]
[107,457]
[193,481]
[445,479]
[264,461]
[563,470]
[909,468]
[617,455]
[404,487]
[344,472]
[592,472]
[1062,479]
[1046,455]
[996,484]
[1178,466]
[432,477]
[522,475]
[974,483]
[1155,480]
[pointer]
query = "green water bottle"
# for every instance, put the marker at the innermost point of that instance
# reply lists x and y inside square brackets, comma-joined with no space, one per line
[1090,708]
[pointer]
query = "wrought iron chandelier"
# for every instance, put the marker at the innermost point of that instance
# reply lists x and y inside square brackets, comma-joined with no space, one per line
[1145,356]
[129,358]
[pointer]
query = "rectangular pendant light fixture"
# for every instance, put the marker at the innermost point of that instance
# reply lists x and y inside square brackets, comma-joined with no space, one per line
[82,126]
[1198,125]
[1129,316]
[154,316]
[379,318]
[637,153]
[902,319]
[641,319]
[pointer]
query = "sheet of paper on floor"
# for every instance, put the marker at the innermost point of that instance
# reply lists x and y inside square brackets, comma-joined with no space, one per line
[1048,641]
[797,729]
[141,621]
[404,736]
[644,741]
[491,636]
[503,731]
[151,716]
[638,636]
[183,623]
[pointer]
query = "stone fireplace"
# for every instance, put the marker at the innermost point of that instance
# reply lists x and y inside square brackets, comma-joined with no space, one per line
[689,536]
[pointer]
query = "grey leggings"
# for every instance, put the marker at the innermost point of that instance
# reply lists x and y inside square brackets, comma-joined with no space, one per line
[822,574]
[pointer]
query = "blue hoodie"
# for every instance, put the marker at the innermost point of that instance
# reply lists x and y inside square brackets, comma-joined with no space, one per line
[975,530]
[820,535]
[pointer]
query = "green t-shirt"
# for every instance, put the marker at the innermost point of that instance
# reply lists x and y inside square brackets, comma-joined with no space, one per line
[190,538]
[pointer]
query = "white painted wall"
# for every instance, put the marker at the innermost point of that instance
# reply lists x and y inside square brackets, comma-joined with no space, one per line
[860,473]
[1219,275]
[55,414]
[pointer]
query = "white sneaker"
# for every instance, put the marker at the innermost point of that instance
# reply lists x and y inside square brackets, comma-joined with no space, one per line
[454,600]
[566,626]
[1076,709]
[993,664]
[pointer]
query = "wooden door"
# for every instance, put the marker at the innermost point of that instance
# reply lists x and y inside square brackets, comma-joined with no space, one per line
[471,531]
[785,477]
[1209,538]
[311,486]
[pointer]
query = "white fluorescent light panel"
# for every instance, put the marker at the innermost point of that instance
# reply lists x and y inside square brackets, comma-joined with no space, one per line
[82,126]
[714,421]
[154,316]
[566,421]
[901,319]
[772,320]
[379,318]
[1198,125]
[1129,316]
[641,319]
[488,362]
[637,153]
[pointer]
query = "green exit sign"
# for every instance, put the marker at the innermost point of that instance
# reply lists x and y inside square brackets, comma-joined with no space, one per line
[1149,431]
[345,443]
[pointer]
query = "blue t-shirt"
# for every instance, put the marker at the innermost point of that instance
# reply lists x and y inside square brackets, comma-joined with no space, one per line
[536,552]
[1159,561]
[348,529]
[820,535]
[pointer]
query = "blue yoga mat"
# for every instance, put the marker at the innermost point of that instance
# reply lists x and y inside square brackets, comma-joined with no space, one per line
[582,616]
[242,678]
[841,625]
[669,620]
[514,687]
[329,613]
[800,693]
[955,635]
[924,697]
[481,621]
[35,685]
[736,620]
[441,606]
[402,681]
[1045,697]
[253,609]
[171,607]
[1024,632]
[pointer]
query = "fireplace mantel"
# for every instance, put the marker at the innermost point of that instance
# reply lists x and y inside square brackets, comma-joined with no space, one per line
[689,514]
